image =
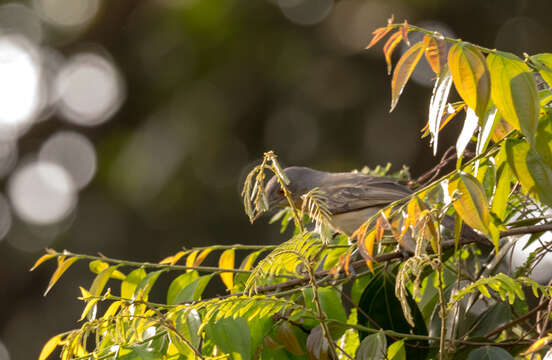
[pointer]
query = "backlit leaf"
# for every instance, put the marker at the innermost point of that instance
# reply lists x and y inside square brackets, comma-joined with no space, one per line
[514,92]
[171,260]
[437,105]
[190,260]
[63,265]
[436,53]
[128,286]
[144,287]
[379,33]
[366,248]
[202,255]
[396,351]
[544,66]
[472,204]
[247,263]
[49,347]
[226,261]
[388,48]
[403,70]
[471,124]
[539,344]
[101,280]
[178,284]
[488,124]
[471,76]
[89,305]
[42,259]
[232,336]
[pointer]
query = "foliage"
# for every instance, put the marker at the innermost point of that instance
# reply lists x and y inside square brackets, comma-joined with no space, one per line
[311,297]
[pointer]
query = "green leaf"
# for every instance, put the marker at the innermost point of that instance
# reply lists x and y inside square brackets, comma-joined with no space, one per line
[232,336]
[514,92]
[193,291]
[471,76]
[330,300]
[532,172]
[544,66]
[403,70]
[144,287]
[178,284]
[502,189]
[494,317]
[372,347]
[489,353]
[396,351]
[472,205]
[131,282]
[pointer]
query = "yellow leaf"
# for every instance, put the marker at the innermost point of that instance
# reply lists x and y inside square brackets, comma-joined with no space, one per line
[435,53]
[539,344]
[202,255]
[84,293]
[171,260]
[544,66]
[388,48]
[190,260]
[226,261]
[112,309]
[89,306]
[472,205]
[42,259]
[514,92]
[403,70]
[470,76]
[248,262]
[366,248]
[49,347]
[63,265]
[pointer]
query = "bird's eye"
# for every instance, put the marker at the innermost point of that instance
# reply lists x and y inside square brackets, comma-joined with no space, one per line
[281,191]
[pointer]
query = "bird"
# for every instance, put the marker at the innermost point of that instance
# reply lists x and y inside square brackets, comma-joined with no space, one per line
[351,197]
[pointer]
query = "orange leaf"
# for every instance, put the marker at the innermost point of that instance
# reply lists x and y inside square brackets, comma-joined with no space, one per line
[202,255]
[537,345]
[379,33]
[348,255]
[379,228]
[404,32]
[190,260]
[388,48]
[42,259]
[171,260]
[226,261]
[366,248]
[435,53]
[403,70]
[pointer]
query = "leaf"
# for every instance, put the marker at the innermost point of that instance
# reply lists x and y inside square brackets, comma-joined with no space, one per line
[539,344]
[494,317]
[396,351]
[190,260]
[144,287]
[49,347]
[171,260]
[62,266]
[247,263]
[437,105]
[403,70]
[532,172]
[380,33]
[366,248]
[101,280]
[193,291]
[404,32]
[226,261]
[317,344]
[471,124]
[42,259]
[89,305]
[472,205]
[543,63]
[372,347]
[178,284]
[502,190]
[436,53]
[128,286]
[514,92]
[488,124]
[288,338]
[471,76]
[489,353]
[202,255]
[389,47]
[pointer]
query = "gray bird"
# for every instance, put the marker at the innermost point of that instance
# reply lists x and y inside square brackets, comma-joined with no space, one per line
[352,198]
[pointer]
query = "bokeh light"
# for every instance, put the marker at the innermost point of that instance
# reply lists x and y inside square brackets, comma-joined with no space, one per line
[42,192]
[5,218]
[18,18]
[8,156]
[62,13]
[4,353]
[74,152]
[306,12]
[20,88]
[89,89]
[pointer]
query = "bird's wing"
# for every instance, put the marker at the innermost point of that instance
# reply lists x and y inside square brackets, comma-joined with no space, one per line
[363,192]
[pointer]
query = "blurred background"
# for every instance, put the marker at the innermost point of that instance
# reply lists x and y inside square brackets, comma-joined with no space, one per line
[126,127]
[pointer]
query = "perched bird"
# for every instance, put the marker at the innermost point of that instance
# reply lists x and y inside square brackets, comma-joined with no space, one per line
[352,198]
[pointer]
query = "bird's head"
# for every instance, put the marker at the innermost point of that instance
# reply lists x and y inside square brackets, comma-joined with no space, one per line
[301,181]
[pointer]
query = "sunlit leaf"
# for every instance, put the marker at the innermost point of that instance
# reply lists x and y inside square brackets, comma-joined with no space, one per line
[436,53]
[389,47]
[128,286]
[502,189]
[502,128]
[144,287]
[247,263]
[403,70]
[89,305]
[49,347]
[226,261]
[471,76]
[190,260]
[472,204]
[539,344]
[488,124]
[544,66]
[202,255]
[396,351]
[101,280]
[437,105]
[380,33]
[63,265]
[171,260]
[514,92]
[178,284]
[471,124]
[366,248]
[42,259]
